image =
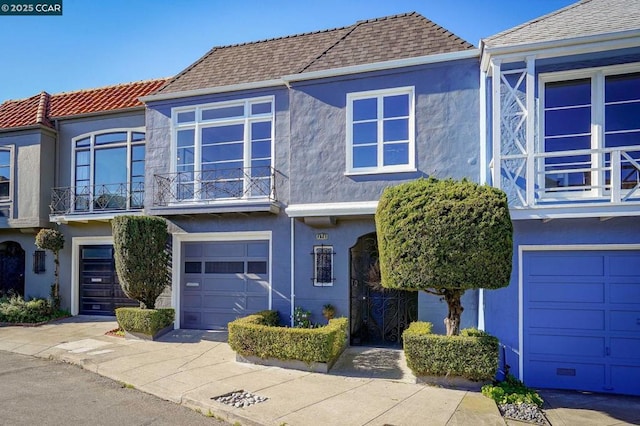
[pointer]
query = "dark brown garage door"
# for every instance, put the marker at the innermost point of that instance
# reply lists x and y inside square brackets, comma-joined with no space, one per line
[221,281]
[100,291]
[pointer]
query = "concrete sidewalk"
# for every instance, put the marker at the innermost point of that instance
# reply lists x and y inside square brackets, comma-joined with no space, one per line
[366,387]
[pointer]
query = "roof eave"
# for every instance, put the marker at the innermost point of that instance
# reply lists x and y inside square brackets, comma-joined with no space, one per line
[37,126]
[95,113]
[212,90]
[563,47]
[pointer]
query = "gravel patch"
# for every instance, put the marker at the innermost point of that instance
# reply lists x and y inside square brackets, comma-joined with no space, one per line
[523,412]
[239,399]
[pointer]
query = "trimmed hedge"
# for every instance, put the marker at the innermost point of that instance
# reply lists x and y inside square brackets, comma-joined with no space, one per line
[145,321]
[472,355]
[250,336]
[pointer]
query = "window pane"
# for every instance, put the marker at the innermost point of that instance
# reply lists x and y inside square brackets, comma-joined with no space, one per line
[5,158]
[224,112]
[186,137]
[222,152]
[83,142]
[137,136]
[224,267]
[567,144]
[5,173]
[567,93]
[622,117]
[137,153]
[263,165]
[233,133]
[137,168]
[261,130]
[365,133]
[396,130]
[261,108]
[185,156]
[186,117]
[365,156]
[111,138]
[323,265]
[622,87]
[232,169]
[192,267]
[365,109]
[82,158]
[4,189]
[256,267]
[97,253]
[261,149]
[567,121]
[396,153]
[396,106]
[110,166]
[622,139]
[82,173]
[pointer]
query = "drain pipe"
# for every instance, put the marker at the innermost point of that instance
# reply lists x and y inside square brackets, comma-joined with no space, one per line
[293,269]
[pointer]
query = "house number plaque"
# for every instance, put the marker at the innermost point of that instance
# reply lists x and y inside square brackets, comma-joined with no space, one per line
[322,236]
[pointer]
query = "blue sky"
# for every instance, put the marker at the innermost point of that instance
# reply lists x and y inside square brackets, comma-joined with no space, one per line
[99,43]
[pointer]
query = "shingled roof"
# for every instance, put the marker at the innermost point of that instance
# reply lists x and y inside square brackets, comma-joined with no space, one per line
[584,18]
[41,109]
[395,37]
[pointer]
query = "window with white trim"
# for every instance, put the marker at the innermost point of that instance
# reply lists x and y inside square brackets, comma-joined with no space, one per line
[6,181]
[591,129]
[224,150]
[323,265]
[380,131]
[108,171]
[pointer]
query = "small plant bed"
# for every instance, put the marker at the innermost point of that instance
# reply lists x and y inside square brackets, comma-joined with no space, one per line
[14,310]
[516,401]
[116,332]
[145,324]
[258,339]
[466,360]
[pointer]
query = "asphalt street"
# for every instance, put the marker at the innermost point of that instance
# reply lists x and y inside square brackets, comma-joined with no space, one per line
[40,392]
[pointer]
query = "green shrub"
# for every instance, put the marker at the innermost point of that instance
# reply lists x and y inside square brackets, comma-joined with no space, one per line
[444,237]
[15,309]
[269,317]
[146,321]
[142,258]
[249,336]
[472,355]
[53,240]
[512,391]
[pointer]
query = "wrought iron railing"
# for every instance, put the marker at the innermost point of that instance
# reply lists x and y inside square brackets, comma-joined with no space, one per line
[97,198]
[215,185]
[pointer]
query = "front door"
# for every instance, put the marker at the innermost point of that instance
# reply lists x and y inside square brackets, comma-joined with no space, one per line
[11,268]
[378,316]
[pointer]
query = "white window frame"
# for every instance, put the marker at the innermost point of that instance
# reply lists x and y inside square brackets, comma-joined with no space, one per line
[92,148]
[198,124]
[597,75]
[318,252]
[8,202]
[380,168]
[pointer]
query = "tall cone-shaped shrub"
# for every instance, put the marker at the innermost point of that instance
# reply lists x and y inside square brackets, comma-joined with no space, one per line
[142,258]
[444,237]
[52,240]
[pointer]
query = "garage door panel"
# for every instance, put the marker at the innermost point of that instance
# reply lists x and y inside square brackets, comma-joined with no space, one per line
[565,375]
[257,286]
[190,319]
[192,250]
[227,283]
[583,346]
[559,291]
[620,266]
[582,319]
[627,348]
[625,379]
[192,300]
[625,293]
[259,249]
[225,301]
[257,303]
[222,250]
[625,321]
[556,265]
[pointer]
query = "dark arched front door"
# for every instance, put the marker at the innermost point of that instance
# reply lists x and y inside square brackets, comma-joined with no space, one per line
[378,316]
[11,268]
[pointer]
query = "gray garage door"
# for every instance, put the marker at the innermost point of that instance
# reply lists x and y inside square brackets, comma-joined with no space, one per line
[100,291]
[221,281]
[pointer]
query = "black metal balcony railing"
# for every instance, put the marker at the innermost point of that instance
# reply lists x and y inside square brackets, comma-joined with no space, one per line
[97,198]
[215,185]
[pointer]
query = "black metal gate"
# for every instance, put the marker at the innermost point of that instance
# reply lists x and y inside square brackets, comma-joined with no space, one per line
[11,268]
[378,316]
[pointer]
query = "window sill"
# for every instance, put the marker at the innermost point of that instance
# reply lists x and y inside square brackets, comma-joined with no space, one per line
[380,171]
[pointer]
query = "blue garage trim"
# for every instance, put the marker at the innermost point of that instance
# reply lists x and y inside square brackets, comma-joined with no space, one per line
[578,317]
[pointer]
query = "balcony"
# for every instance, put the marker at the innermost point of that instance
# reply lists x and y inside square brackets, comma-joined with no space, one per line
[233,190]
[579,183]
[98,201]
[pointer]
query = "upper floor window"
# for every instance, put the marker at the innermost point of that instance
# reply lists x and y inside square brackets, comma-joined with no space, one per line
[224,150]
[591,132]
[108,170]
[380,131]
[5,174]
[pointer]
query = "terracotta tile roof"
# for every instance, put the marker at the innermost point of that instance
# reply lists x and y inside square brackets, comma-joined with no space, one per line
[42,108]
[394,37]
[584,18]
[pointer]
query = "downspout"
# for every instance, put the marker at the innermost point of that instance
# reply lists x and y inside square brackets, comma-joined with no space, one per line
[293,268]
[483,170]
